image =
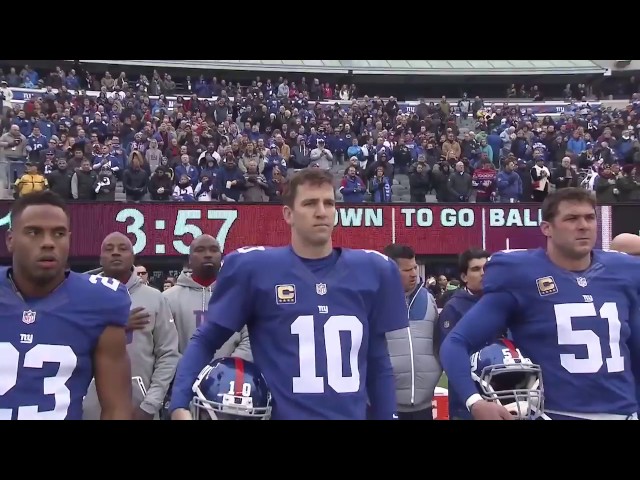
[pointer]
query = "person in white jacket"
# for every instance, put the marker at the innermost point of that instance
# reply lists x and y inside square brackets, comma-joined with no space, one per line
[7,93]
[540,179]
[322,156]
[207,154]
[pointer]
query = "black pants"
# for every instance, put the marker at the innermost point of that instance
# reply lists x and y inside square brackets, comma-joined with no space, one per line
[426,414]
[539,196]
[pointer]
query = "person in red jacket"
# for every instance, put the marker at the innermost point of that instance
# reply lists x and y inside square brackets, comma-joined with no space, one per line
[484,181]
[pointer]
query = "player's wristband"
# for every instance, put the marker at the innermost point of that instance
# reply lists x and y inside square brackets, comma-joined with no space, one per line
[472,400]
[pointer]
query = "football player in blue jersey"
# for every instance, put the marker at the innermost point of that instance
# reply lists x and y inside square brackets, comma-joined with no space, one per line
[57,328]
[571,309]
[317,316]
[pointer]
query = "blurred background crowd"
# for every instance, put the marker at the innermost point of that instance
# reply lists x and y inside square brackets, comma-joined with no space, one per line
[147,136]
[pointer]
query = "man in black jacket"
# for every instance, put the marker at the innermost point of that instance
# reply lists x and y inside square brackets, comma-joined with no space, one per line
[83,181]
[60,180]
[471,267]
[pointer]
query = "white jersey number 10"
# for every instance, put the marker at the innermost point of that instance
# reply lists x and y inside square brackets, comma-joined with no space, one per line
[309,381]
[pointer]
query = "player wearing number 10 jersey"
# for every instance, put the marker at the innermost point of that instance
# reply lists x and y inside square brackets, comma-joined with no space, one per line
[317,317]
[571,309]
[57,328]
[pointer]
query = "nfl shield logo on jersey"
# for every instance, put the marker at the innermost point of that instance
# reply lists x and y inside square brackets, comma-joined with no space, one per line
[581,281]
[28,317]
[321,288]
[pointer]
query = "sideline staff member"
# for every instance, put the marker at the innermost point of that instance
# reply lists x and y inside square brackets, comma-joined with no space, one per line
[415,366]
[151,333]
[627,243]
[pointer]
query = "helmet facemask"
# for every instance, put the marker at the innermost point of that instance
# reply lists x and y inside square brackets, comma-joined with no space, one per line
[211,401]
[232,407]
[515,386]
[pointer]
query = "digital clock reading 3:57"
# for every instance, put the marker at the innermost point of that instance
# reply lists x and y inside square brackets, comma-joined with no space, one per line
[141,229]
[167,229]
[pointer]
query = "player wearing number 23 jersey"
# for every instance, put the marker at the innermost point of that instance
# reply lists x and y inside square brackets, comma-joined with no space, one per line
[582,328]
[317,330]
[47,344]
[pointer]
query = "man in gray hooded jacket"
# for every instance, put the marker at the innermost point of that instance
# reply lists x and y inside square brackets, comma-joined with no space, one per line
[189,298]
[416,369]
[151,334]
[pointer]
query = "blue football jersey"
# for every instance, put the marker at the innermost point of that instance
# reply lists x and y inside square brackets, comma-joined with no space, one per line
[309,330]
[47,344]
[580,327]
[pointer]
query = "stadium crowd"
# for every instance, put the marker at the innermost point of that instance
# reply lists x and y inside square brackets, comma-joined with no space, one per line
[241,146]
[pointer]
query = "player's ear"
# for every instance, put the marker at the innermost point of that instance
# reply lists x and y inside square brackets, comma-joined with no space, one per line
[8,239]
[101,259]
[287,214]
[545,228]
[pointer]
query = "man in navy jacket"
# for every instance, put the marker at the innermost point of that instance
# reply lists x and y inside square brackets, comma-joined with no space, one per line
[471,267]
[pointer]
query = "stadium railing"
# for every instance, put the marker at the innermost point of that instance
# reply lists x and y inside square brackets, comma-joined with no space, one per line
[551,108]
[5,177]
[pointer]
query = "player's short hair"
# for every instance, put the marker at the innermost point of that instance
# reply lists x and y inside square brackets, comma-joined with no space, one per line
[471,254]
[42,197]
[310,176]
[571,194]
[396,251]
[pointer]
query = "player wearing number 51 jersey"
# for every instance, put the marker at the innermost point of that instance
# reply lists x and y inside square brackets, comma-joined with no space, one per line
[317,317]
[571,309]
[57,328]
